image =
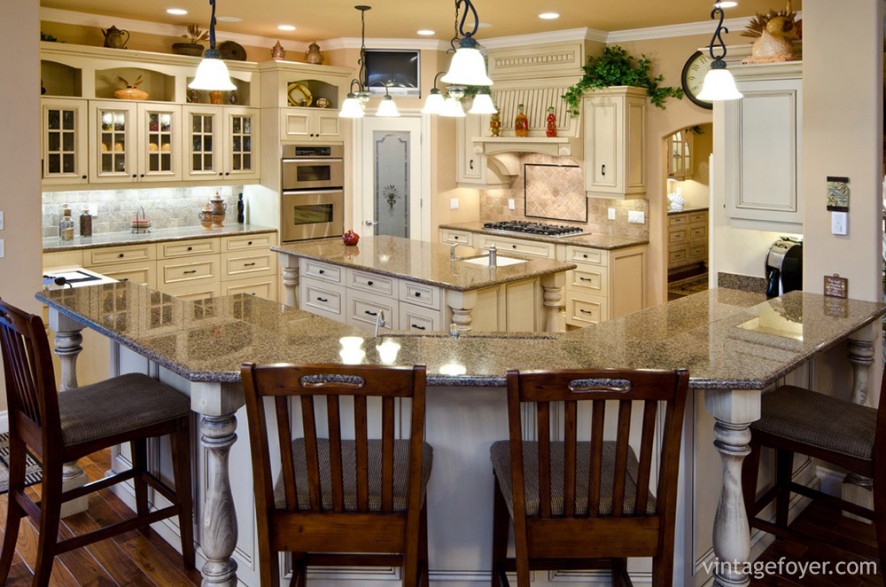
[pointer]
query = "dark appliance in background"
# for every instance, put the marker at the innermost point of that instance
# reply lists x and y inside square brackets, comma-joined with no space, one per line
[313,197]
[784,266]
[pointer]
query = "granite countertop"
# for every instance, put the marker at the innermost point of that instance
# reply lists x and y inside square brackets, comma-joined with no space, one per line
[687,210]
[595,241]
[421,261]
[726,338]
[113,239]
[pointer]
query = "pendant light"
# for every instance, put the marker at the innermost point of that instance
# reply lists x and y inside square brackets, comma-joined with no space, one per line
[718,83]
[434,101]
[355,102]
[387,108]
[467,67]
[212,73]
[452,105]
[483,104]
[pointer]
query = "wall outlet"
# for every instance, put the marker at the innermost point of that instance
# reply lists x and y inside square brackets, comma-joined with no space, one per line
[611,214]
[636,217]
[512,204]
[453,203]
[2,248]
[1,221]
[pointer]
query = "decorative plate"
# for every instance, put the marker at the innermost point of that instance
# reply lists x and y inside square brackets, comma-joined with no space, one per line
[232,51]
[299,94]
[322,102]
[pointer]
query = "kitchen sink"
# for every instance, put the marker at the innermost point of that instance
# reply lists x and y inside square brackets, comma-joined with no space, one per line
[500,262]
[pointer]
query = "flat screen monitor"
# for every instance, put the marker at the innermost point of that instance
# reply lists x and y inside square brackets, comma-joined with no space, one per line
[397,69]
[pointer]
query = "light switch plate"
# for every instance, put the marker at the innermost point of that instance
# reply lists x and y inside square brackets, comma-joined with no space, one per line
[636,217]
[840,223]
[2,224]
[512,204]
[2,248]
[611,213]
[453,203]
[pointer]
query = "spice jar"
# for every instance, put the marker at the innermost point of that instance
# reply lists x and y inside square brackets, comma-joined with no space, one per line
[85,223]
[521,122]
[66,225]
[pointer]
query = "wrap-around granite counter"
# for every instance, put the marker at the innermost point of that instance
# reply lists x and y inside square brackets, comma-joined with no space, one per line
[734,344]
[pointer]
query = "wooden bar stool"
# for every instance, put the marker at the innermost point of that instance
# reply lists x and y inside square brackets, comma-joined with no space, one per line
[840,432]
[587,504]
[344,497]
[59,428]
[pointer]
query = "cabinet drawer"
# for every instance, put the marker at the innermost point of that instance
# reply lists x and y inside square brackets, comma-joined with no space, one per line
[698,253]
[193,292]
[677,257]
[698,232]
[420,294]
[364,309]
[584,255]
[452,237]
[678,220]
[372,282]
[324,271]
[205,267]
[585,310]
[263,288]
[589,280]
[512,245]
[202,246]
[321,298]
[94,257]
[63,259]
[242,264]
[248,242]
[698,217]
[419,319]
[142,273]
[678,235]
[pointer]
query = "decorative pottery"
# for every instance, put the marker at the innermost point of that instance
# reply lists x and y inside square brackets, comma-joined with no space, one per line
[278,52]
[205,219]
[322,102]
[215,96]
[232,51]
[313,54]
[350,238]
[115,38]
[217,208]
[130,93]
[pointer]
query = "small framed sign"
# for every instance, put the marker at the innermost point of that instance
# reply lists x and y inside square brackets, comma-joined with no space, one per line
[836,286]
[838,194]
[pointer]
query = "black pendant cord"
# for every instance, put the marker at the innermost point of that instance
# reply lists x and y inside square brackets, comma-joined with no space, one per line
[362,60]
[212,28]
[717,39]
[469,7]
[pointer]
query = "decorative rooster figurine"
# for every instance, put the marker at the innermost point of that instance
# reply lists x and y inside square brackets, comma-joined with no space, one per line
[775,33]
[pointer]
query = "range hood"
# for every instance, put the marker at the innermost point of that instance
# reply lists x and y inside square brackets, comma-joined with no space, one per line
[503,153]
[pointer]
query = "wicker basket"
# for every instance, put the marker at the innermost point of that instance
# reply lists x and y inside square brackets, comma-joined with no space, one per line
[192,49]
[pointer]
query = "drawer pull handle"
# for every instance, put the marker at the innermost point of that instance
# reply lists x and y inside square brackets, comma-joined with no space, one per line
[324,300]
[321,271]
[249,264]
[370,282]
[370,312]
[418,294]
[417,327]
[603,170]
[190,271]
[585,279]
[585,311]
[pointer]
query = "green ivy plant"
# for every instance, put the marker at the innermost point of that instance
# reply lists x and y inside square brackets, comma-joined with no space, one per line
[617,67]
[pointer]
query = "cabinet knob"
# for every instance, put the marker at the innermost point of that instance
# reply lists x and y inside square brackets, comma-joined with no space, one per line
[471,164]
[82,177]
[584,255]
[418,294]
[142,175]
[249,243]
[321,271]
[121,255]
[370,282]
[513,246]
[190,248]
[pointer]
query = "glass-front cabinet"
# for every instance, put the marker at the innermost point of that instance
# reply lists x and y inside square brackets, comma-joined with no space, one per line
[221,142]
[160,142]
[64,141]
[680,155]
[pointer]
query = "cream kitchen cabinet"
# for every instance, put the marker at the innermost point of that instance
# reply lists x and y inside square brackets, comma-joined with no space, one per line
[310,124]
[605,284]
[615,142]
[762,146]
[136,263]
[455,237]
[521,247]
[134,142]
[471,167]
[64,141]
[687,238]
[222,142]
[680,155]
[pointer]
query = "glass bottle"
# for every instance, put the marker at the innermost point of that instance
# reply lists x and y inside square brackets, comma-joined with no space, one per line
[551,119]
[66,225]
[521,123]
[85,223]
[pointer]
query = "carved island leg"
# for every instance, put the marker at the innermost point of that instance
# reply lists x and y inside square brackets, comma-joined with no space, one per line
[857,488]
[733,410]
[218,533]
[290,279]
[461,304]
[555,320]
[68,341]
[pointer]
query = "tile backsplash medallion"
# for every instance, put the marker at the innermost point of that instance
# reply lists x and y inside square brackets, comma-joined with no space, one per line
[114,209]
[552,197]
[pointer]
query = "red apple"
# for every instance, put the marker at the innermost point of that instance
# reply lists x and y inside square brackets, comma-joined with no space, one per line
[350,238]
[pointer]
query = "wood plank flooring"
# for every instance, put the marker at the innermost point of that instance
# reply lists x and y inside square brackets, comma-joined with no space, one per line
[139,558]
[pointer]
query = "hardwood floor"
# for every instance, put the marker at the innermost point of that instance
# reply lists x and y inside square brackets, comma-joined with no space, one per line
[136,558]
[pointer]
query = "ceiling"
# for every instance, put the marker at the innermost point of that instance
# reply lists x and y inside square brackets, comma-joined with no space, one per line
[330,19]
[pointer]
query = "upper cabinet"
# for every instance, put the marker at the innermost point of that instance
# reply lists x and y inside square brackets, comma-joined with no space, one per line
[762,142]
[680,155]
[221,143]
[64,141]
[615,142]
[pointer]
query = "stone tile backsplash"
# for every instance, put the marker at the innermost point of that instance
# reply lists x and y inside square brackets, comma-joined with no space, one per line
[114,209]
[547,200]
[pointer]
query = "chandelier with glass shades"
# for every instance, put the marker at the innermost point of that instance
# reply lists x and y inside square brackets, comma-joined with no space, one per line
[212,73]
[355,102]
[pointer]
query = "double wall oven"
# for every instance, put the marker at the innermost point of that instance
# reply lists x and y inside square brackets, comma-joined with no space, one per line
[312,198]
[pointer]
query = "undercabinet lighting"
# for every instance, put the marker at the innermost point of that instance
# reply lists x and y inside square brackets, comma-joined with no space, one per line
[425,32]
[176,11]
[549,15]
[285,27]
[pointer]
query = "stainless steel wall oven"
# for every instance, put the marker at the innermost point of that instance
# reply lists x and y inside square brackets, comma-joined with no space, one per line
[312,199]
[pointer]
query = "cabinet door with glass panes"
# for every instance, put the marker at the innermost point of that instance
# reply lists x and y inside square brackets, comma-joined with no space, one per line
[112,141]
[159,145]
[64,141]
[221,142]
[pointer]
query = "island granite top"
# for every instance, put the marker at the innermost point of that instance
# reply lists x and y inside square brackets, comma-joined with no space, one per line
[114,239]
[421,261]
[595,241]
[727,339]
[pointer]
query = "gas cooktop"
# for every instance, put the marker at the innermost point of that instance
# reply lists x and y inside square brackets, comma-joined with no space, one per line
[538,228]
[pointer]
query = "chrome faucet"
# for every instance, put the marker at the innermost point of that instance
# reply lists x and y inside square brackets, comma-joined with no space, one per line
[379,321]
[493,259]
[452,251]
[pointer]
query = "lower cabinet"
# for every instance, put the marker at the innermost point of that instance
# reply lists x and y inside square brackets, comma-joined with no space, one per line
[687,239]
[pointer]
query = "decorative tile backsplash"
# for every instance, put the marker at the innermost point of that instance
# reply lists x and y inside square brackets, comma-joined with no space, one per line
[555,192]
[546,199]
[114,209]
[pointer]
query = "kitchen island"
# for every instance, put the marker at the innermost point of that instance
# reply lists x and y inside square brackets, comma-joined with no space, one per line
[418,286]
[734,344]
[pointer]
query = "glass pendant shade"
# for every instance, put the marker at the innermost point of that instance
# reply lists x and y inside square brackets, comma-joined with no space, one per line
[351,108]
[719,85]
[212,74]
[483,105]
[467,67]
[433,103]
[387,108]
[452,108]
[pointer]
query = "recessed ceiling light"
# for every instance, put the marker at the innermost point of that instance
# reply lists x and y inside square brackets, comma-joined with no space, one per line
[549,15]
[176,11]
[286,27]
[229,19]
[425,32]
[727,4]
[483,25]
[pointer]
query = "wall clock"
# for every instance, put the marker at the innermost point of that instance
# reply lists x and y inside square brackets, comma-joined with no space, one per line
[693,74]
